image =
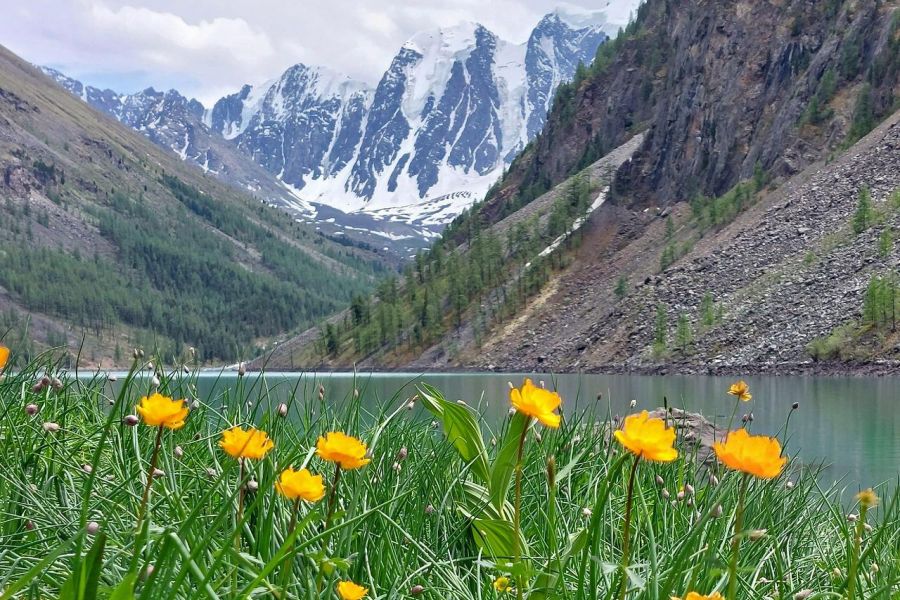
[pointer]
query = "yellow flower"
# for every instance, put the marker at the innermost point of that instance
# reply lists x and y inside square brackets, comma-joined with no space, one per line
[867,498]
[4,356]
[536,402]
[300,485]
[251,443]
[341,448]
[501,584]
[757,455]
[157,410]
[648,438]
[696,596]
[741,390]
[348,590]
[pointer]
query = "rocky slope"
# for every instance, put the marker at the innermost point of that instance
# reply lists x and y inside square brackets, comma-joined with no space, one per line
[787,271]
[722,88]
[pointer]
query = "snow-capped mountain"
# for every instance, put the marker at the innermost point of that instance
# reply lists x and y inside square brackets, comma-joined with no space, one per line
[397,160]
[452,110]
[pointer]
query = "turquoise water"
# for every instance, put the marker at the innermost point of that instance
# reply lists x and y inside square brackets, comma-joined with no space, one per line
[852,425]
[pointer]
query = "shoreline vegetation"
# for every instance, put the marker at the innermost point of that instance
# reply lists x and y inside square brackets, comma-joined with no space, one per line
[139,488]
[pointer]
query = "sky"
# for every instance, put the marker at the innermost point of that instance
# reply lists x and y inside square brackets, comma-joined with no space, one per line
[209,48]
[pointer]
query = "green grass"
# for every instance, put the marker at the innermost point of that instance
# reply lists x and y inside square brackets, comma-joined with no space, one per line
[394,528]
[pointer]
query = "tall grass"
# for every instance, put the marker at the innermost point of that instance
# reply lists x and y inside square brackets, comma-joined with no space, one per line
[69,500]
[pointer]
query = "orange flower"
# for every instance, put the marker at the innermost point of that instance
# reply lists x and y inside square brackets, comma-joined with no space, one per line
[696,596]
[300,485]
[741,390]
[4,356]
[157,410]
[348,590]
[757,455]
[343,449]
[648,438]
[536,402]
[252,443]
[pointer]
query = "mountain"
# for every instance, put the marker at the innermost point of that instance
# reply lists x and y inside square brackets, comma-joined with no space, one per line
[110,242]
[746,224]
[387,165]
[452,110]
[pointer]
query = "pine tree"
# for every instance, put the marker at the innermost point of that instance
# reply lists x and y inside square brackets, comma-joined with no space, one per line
[863,216]
[683,334]
[621,289]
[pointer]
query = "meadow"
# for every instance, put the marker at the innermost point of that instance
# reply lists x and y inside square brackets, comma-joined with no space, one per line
[137,488]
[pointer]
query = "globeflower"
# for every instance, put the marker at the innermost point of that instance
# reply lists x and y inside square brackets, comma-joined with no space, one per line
[756,455]
[300,485]
[536,402]
[4,356]
[501,584]
[348,590]
[867,498]
[741,390]
[345,450]
[157,410]
[696,596]
[249,443]
[648,438]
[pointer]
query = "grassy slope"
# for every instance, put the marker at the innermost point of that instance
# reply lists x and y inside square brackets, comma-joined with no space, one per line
[131,241]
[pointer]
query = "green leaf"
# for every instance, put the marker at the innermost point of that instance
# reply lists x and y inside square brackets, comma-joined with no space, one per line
[125,589]
[34,571]
[547,581]
[461,430]
[505,464]
[496,537]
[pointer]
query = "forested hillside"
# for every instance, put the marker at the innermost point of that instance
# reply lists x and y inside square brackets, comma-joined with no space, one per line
[106,237]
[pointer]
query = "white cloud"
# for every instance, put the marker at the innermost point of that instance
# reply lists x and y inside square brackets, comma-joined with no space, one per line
[206,48]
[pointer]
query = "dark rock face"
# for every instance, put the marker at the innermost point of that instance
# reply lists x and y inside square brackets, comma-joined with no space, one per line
[226,114]
[721,88]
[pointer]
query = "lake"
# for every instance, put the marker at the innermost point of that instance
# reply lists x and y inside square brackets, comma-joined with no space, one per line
[852,425]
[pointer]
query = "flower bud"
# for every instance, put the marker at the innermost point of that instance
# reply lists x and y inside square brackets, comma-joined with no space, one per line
[688,489]
[154,382]
[416,590]
[242,370]
[56,384]
[586,512]
[660,481]
[429,510]
[633,403]
[87,468]
[150,366]
[789,485]
[93,527]
[149,571]
[396,467]
[867,527]
[185,370]
[680,495]
[130,420]
[511,411]
[252,485]
[852,517]
[51,427]
[434,424]
[157,473]
[551,471]
[282,410]
[178,452]
[112,378]
[211,473]
[37,388]
[411,405]
[29,525]
[795,405]
[713,481]
[402,454]
[138,353]
[665,493]
[716,511]
[355,393]
[32,409]
[803,594]
[873,568]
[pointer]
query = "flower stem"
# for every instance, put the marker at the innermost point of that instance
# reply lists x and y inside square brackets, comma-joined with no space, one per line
[736,539]
[626,532]
[517,514]
[146,497]
[332,502]
[854,558]
[286,568]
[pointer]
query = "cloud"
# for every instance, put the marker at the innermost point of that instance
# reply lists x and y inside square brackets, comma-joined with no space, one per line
[207,48]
